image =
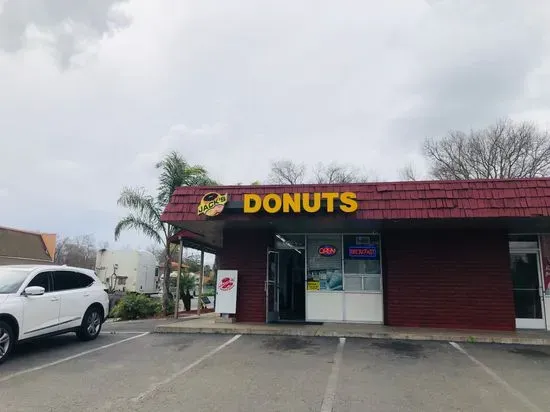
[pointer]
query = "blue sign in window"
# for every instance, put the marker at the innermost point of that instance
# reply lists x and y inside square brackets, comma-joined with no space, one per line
[363,252]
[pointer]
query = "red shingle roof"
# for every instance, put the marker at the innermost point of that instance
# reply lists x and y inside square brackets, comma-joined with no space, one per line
[399,200]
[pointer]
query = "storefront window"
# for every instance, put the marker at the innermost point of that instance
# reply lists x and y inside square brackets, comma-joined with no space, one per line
[523,238]
[283,241]
[324,263]
[523,241]
[545,251]
[362,267]
[358,256]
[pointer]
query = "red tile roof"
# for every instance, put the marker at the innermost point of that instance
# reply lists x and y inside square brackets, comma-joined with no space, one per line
[398,200]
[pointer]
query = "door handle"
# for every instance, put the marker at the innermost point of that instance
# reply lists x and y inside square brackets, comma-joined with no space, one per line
[54,299]
[86,294]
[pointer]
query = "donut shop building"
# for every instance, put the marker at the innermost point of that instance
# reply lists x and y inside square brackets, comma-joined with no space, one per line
[448,254]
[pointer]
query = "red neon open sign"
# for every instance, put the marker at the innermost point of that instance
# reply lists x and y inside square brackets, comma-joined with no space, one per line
[327,250]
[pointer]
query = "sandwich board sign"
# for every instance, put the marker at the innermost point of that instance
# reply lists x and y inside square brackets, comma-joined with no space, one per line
[226,292]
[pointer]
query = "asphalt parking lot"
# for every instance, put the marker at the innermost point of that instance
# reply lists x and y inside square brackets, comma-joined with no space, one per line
[129,369]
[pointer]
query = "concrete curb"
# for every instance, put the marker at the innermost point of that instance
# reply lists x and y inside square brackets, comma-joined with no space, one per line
[179,319]
[472,338]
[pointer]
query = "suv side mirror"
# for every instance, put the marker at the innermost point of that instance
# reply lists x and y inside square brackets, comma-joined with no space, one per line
[34,291]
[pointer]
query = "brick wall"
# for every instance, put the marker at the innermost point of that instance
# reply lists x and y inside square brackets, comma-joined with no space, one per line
[246,251]
[448,279]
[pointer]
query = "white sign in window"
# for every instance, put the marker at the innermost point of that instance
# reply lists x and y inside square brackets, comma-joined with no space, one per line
[226,292]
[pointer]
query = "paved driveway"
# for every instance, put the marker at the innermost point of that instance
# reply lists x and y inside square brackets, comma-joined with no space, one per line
[133,370]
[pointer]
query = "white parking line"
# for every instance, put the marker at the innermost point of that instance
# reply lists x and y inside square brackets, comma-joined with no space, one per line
[68,358]
[156,386]
[122,332]
[332,385]
[497,378]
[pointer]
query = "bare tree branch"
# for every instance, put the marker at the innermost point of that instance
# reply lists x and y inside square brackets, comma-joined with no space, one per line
[337,173]
[506,149]
[286,172]
[408,172]
[290,173]
[79,251]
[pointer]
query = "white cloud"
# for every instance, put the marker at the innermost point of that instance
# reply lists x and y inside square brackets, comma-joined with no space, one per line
[65,28]
[93,95]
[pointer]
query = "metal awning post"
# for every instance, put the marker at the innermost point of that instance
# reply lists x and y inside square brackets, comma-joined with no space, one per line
[201,276]
[215,274]
[177,303]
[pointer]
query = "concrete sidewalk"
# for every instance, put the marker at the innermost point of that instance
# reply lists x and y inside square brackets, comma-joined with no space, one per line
[207,324]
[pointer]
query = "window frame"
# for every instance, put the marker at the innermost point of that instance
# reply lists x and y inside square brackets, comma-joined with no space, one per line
[84,275]
[379,276]
[49,274]
[338,243]
[73,273]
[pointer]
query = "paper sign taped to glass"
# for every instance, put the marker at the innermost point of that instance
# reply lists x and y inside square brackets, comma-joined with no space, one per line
[327,279]
[313,285]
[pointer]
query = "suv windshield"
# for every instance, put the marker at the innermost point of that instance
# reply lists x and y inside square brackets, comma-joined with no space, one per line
[11,279]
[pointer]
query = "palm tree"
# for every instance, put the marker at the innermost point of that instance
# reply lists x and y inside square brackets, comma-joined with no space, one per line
[187,283]
[144,217]
[175,171]
[146,210]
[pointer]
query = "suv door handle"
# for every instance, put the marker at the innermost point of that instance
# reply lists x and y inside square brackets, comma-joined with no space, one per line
[54,299]
[86,294]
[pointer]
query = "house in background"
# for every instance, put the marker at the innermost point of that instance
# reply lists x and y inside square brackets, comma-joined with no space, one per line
[25,247]
[173,267]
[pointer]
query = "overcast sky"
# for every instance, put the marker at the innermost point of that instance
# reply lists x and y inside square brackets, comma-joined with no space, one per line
[93,93]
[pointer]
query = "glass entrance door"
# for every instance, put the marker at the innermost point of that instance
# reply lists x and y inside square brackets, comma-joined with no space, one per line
[272,287]
[528,296]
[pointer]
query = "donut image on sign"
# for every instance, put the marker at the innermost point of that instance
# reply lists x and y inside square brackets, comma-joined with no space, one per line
[226,284]
[212,204]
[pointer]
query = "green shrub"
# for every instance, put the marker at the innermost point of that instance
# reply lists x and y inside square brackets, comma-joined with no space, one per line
[136,306]
[171,306]
[169,310]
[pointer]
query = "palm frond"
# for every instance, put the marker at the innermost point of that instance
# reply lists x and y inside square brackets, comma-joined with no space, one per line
[144,214]
[172,230]
[202,180]
[187,283]
[133,222]
[175,172]
[143,205]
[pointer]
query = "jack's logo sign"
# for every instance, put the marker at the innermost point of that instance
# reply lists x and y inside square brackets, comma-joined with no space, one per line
[327,250]
[226,284]
[212,204]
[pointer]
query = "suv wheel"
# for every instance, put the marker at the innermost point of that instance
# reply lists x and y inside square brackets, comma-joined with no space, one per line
[7,340]
[91,325]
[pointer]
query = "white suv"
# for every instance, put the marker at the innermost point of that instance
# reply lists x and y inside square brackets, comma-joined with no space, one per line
[38,301]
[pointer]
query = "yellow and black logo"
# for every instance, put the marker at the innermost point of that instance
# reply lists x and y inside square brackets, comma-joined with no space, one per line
[212,204]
